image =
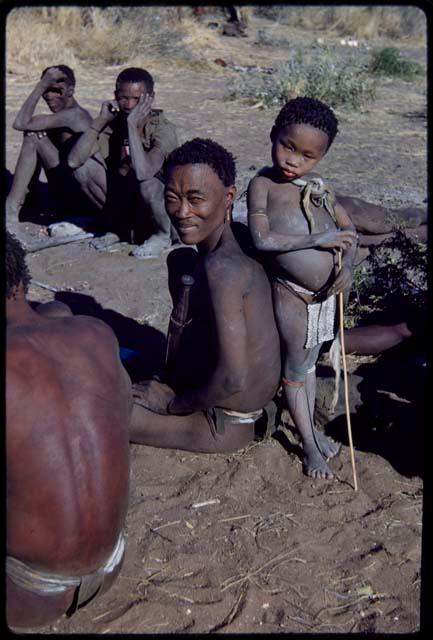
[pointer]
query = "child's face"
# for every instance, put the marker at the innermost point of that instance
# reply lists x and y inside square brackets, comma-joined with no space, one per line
[128,95]
[297,149]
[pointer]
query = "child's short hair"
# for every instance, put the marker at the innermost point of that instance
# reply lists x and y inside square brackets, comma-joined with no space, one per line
[310,111]
[67,72]
[135,74]
[16,269]
[206,151]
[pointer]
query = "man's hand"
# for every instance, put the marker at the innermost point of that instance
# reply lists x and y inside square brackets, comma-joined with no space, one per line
[337,239]
[155,396]
[51,76]
[109,110]
[140,113]
[343,281]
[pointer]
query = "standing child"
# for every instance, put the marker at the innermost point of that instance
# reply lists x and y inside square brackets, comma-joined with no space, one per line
[295,221]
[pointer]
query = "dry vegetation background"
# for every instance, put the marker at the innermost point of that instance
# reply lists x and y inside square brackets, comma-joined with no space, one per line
[141,35]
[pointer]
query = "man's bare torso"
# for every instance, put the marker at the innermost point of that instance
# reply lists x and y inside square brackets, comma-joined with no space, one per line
[68,407]
[198,352]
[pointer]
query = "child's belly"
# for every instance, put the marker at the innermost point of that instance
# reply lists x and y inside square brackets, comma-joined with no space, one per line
[310,268]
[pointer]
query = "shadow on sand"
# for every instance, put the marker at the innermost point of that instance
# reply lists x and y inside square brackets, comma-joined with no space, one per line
[389,419]
[147,343]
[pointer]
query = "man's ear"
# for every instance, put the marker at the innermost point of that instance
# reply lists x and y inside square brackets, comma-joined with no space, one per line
[230,196]
[152,96]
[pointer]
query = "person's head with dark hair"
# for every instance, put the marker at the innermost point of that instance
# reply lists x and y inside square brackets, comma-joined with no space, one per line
[16,269]
[69,76]
[131,84]
[135,75]
[302,133]
[307,111]
[200,190]
[206,151]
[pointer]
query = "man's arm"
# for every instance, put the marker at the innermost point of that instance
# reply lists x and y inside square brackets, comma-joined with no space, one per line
[146,164]
[264,239]
[226,287]
[26,121]
[87,144]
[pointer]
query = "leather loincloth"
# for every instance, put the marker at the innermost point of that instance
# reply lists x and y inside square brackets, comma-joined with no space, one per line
[45,583]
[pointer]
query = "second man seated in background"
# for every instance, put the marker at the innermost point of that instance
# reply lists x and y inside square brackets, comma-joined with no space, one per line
[130,142]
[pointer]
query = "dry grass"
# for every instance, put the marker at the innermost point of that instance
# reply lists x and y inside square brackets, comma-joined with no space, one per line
[77,36]
[361,22]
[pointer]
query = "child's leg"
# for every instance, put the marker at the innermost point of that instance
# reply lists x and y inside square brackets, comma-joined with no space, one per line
[327,447]
[291,316]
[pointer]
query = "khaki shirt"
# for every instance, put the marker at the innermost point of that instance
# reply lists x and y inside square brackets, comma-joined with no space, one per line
[157,132]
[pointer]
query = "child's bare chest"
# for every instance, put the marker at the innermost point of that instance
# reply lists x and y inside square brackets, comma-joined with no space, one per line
[287,214]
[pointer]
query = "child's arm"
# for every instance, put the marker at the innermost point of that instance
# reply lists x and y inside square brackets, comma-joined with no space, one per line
[264,239]
[345,276]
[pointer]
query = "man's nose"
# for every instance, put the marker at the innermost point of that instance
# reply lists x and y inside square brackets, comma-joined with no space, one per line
[183,210]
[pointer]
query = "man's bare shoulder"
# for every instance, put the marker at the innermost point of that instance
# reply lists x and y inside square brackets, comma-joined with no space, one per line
[78,331]
[229,267]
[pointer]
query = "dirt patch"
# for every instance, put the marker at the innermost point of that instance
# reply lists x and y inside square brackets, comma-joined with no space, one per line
[268,550]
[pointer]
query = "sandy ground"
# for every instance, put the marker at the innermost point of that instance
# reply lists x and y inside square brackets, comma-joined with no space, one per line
[268,550]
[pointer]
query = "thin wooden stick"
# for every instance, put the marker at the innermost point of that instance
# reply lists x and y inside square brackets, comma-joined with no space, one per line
[346,386]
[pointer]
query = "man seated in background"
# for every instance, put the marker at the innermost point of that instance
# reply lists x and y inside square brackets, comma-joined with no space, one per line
[134,141]
[47,141]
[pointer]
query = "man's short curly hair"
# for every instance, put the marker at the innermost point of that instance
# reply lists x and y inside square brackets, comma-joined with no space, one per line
[135,74]
[67,72]
[206,151]
[307,111]
[16,269]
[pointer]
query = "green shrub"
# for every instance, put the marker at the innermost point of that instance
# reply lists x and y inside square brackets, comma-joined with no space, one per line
[388,62]
[337,83]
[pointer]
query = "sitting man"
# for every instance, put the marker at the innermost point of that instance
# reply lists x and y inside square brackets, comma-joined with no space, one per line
[47,142]
[134,141]
[226,366]
[68,406]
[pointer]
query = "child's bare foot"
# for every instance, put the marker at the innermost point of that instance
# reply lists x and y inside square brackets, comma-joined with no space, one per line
[314,465]
[327,447]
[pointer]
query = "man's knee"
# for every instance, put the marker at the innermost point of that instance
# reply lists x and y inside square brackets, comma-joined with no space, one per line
[30,140]
[152,192]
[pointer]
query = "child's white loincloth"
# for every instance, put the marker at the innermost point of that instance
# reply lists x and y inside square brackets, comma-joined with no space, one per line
[321,316]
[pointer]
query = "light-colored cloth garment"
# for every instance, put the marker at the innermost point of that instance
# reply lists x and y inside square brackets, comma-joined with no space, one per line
[47,583]
[321,315]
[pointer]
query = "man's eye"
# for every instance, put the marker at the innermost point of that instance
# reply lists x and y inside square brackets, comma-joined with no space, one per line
[195,200]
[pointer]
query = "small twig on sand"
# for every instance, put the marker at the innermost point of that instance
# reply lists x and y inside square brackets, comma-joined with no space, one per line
[235,610]
[248,515]
[198,505]
[42,285]
[230,582]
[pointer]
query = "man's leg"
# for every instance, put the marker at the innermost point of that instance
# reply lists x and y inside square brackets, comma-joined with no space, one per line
[375,338]
[189,433]
[370,218]
[152,196]
[92,180]
[24,171]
